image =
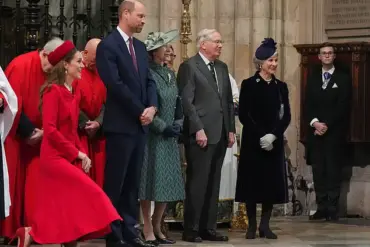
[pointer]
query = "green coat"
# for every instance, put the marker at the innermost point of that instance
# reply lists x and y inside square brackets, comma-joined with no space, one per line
[161,176]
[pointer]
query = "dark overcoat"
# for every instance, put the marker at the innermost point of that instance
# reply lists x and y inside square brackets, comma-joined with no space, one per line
[263,109]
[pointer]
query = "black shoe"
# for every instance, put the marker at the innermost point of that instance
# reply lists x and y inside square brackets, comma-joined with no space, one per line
[152,242]
[251,234]
[191,237]
[137,242]
[164,240]
[319,215]
[332,216]
[267,233]
[117,244]
[212,235]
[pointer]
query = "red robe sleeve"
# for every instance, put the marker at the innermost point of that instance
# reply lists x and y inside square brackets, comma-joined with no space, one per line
[5,104]
[49,118]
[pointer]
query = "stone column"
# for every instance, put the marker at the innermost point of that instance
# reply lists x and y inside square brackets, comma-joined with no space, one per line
[170,18]
[318,11]
[226,26]
[243,33]
[306,17]
[152,19]
[261,22]
[291,74]
[277,31]
[206,14]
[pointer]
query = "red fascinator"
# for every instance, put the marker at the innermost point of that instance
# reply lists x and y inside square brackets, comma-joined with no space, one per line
[60,52]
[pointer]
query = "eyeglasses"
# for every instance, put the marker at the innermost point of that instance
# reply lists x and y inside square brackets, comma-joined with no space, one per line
[217,41]
[327,54]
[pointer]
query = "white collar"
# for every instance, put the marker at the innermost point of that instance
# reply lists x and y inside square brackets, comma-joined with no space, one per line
[206,60]
[123,34]
[331,71]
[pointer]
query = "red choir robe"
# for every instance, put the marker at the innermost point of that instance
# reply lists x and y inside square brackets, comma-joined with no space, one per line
[26,76]
[93,96]
[4,102]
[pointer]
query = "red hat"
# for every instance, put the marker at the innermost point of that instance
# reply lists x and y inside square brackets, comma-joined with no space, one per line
[60,52]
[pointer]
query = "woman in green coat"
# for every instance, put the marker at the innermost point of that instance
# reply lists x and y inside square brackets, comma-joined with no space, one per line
[161,176]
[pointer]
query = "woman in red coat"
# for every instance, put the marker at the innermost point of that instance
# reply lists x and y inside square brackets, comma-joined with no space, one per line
[70,205]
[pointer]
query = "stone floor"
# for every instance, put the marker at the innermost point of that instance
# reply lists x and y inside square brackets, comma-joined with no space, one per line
[292,232]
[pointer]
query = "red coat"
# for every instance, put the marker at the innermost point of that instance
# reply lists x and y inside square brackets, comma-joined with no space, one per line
[60,117]
[69,204]
[93,96]
[25,75]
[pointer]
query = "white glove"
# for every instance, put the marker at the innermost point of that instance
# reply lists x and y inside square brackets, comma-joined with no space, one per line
[267,148]
[267,140]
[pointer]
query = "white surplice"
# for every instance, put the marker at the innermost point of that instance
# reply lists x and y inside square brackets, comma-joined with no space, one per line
[230,165]
[6,122]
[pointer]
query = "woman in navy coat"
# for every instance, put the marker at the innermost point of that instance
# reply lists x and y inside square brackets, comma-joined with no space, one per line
[264,112]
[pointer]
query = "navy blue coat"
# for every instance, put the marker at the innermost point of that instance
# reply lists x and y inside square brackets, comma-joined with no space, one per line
[262,176]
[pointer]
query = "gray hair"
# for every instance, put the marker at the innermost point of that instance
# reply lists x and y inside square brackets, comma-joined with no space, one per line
[258,62]
[52,44]
[203,35]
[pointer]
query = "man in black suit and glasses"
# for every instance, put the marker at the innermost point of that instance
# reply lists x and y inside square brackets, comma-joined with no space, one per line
[328,99]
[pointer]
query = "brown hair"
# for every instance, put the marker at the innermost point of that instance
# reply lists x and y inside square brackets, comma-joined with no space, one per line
[57,75]
[326,44]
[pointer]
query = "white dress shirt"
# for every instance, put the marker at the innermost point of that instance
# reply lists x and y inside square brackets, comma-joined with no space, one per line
[125,38]
[206,61]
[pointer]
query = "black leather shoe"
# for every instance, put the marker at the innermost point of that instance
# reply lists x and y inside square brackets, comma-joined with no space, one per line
[251,233]
[117,244]
[332,216]
[164,240]
[137,242]
[267,233]
[212,235]
[191,237]
[319,215]
[152,242]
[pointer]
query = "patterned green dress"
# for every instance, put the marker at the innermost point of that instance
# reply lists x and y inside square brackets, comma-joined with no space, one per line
[161,176]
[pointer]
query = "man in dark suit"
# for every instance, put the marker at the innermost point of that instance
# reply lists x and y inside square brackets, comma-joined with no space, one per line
[209,128]
[328,107]
[122,63]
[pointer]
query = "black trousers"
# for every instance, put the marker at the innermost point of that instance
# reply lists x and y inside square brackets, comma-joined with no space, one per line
[203,174]
[327,170]
[122,180]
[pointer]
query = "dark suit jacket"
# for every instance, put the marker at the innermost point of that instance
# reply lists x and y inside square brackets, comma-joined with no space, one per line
[204,107]
[331,106]
[128,92]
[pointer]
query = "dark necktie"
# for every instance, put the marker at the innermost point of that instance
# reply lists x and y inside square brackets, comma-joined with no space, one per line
[327,77]
[131,48]
[212,70]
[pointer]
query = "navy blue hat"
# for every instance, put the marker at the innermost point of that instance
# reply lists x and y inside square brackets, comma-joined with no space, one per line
[266,49]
